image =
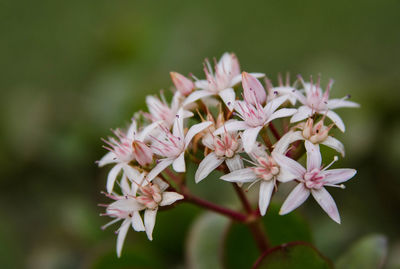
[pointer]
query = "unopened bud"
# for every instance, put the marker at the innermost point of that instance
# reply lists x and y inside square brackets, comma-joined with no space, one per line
[184,85]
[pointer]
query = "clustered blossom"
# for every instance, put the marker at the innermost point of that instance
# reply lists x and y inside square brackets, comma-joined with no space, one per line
[232,134]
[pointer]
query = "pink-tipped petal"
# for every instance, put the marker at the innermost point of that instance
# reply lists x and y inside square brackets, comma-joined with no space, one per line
[290,165]
[249,137]
[149,222]
[327,203]
[241,176]
[297,197]
[184,85]
[314,158]
[265,193]
[337,176]
[207,165]
[253,90]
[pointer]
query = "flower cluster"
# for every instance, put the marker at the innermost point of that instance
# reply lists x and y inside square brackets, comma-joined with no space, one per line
[206,123]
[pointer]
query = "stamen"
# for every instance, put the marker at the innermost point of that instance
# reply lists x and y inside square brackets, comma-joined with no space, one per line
[335,159]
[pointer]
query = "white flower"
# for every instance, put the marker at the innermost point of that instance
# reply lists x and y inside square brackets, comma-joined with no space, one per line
[227,75]
[255,117]
[316,134]
[312,180]
[266,171]
[173,145]
[125,148]
[225,148]
[159,110]
[317,101]
[127,208]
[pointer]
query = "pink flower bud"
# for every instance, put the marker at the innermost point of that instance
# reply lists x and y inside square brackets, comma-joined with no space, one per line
[253,91]
[142,153]
[184,85]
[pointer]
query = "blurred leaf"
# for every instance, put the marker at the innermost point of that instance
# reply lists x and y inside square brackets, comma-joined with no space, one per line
[287,228]
[204,241]
[293,256]
[368,253]
[240,248]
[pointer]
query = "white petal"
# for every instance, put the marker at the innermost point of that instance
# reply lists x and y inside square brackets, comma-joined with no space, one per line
[149,222]
[110,157]
[177,129]
[242,176]
[249,137]
[273,105]
[302,113]
[170,197]
[201,84]
[228,96]
[137,222]
[335,144]
[231,126]
[290,165]
[327,203]
[234,163]
[196,95]
[148,130]
[298,195]
[337,176]
[129,204]
[207,165]
[123,230]
[314,158]
[132,173]
[130,134]
[164,163]
[285,176]
[238,78]
[337,103]
[336,120]
[281,113]
[283,144]
[179,163]
[125,186]
[266,189]
[195,129]
[161,183]
[112,176]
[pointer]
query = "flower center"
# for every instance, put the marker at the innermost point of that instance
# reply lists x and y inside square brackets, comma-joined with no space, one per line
[314,179]
[150,196]
[268,168]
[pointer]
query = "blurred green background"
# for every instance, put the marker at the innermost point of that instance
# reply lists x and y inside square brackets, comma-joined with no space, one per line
[71,70]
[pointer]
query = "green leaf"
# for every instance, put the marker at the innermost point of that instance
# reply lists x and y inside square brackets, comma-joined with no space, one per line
[204,241]
[369,252]
[296,255]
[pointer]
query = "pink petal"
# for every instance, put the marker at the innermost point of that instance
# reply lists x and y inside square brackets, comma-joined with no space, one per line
[264,196]
[337,176]
[184,85]
[253,88]
[207,165]
[314,158]
[290,165]
[327,203]
[297,197]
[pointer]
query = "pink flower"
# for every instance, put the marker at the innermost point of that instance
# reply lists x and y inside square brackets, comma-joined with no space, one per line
[254,118]
[313,181]
[317,101]
[172,146]
[226,76]
[184,85]
[134,199]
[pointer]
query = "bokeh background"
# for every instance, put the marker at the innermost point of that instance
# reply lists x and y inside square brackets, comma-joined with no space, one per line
[71,70]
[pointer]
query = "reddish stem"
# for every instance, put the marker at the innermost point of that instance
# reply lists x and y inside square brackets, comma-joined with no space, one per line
[243,198]
[274,131]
